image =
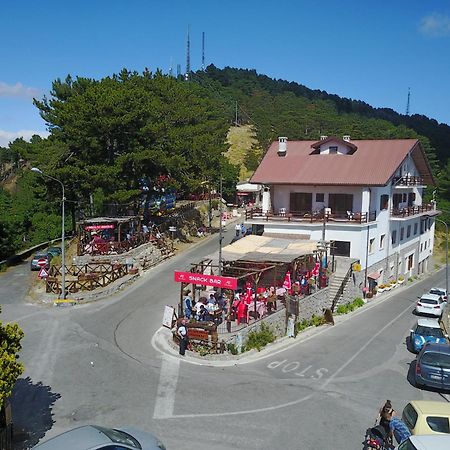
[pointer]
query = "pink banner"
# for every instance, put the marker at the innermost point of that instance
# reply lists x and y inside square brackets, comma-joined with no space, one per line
[99,227]
[206,280]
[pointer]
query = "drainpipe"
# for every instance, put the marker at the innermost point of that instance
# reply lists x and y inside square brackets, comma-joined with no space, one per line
[367,241]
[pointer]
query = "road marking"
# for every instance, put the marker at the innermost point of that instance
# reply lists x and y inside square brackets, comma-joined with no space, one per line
[302,399]
[287,366]
[167,386]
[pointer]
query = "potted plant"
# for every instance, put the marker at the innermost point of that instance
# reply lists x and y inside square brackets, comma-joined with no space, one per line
[401,279]
[381,288]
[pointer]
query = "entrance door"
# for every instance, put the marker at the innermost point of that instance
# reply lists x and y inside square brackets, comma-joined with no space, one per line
[341,248]
[340,203]
[300,202]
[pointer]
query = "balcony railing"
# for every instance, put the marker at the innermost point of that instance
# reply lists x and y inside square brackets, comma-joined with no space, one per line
[407,181]
[412,210]
[310,216]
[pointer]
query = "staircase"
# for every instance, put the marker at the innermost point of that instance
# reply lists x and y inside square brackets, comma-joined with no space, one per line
[340,279]
[164,245]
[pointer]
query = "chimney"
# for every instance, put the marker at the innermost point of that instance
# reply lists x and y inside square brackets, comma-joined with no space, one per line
[282,146]
[346,137]
[323,137]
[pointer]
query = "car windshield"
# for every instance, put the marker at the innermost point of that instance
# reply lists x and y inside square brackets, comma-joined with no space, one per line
[119,437]
[434,359]
[428,301]
[437,292]
[427,331]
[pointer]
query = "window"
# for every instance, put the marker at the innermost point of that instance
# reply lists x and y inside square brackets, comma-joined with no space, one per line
[421,246]
[384,201]
[394,237]
[396,200]
[402,233]
[409,416]
[392,270]
[371,242]
[429,242]
[405,198]
[439,424]
[425,245]
[415,228]
[408,231]
[320,198]
[333,150]
[382,241]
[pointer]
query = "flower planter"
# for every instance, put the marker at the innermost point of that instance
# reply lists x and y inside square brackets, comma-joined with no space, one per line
[380,290]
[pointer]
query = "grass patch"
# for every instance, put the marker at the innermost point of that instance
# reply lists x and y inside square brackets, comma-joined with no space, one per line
[349,307]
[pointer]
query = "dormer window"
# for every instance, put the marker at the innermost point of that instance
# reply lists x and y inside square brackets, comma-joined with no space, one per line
[333,150]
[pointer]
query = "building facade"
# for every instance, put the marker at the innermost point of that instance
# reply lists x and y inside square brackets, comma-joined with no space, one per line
[363,197]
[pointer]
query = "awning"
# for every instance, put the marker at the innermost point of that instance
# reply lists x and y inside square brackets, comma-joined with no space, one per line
[374,275]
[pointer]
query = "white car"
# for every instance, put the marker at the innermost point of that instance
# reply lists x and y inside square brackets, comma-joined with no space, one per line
[429,442]
[439,291]
[430,304]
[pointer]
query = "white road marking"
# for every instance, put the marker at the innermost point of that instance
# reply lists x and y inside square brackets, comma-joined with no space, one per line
[300,400]
[165,397]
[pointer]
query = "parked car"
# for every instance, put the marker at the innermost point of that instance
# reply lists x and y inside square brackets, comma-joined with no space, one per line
[54,251]
[425,330]
[439,291]
[40,255]
[433,366]
[425,443]
[427,417]
[95,437]
[430,304]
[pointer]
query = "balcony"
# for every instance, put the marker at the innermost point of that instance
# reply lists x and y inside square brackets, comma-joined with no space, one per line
[409,211]
[358,217]
[406,181]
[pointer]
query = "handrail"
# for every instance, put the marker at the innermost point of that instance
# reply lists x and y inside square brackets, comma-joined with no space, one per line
[341,288]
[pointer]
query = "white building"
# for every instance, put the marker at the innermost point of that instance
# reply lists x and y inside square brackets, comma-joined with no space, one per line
[364,197]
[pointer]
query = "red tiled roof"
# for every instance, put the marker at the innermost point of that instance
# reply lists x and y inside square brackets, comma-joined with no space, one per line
[372,164]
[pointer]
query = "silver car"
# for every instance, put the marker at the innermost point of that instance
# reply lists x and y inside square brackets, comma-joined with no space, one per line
[90,437]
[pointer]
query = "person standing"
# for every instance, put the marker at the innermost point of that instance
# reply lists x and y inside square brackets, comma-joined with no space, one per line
[237,228]
[398,429]
[182,334]
[187,304]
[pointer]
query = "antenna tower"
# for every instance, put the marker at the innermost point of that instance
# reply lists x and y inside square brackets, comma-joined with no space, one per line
[407,103]
[171,67]
[188,57]
[203,51]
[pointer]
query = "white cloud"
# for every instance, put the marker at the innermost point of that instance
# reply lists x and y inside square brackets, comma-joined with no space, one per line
[435,25]
[18,90]
[8,136]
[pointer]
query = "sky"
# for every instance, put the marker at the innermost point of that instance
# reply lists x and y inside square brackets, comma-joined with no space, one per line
[361,49]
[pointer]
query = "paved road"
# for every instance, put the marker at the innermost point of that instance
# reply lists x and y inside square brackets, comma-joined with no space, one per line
[94,364]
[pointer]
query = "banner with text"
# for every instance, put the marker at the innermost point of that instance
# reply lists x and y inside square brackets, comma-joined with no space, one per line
[206,280]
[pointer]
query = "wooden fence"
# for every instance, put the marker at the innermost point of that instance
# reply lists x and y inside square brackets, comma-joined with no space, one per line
[89,277]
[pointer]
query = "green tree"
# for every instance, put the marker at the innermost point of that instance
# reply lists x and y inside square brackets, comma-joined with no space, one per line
[10,367]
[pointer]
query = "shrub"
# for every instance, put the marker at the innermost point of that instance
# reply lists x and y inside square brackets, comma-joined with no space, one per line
[358,302]
[232,349]
[355,304]
[260,338]
[300,326]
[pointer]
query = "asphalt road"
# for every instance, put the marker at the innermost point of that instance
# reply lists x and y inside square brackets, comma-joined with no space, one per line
[95,364]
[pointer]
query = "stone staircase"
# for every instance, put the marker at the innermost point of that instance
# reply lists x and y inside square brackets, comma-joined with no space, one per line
[338,281]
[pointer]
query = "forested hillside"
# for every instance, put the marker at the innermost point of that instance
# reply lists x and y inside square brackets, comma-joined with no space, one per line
[111,137]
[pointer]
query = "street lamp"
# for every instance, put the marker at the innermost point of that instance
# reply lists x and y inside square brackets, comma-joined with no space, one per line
[63,259]
[446,252]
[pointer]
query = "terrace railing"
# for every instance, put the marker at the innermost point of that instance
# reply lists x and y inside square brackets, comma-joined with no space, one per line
[412,210]
[310,216]
[407,181]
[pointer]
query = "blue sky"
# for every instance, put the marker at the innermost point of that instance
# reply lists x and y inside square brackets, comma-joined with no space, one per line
[362,49]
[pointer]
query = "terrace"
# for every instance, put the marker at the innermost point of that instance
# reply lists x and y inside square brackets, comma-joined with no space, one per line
[359,217]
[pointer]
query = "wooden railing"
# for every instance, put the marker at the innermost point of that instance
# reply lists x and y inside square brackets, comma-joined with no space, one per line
[311,216]
[412,210]
[89,277]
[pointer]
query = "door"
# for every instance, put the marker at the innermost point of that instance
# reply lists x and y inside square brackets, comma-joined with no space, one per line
[300,202]
[340,203]
[341,248]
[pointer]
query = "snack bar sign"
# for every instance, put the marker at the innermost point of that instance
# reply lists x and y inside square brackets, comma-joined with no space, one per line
[206,280]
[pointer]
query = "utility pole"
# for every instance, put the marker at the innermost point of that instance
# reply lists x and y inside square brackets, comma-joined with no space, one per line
[220,228]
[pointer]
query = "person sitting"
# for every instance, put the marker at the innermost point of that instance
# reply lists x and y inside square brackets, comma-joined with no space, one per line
[203,315]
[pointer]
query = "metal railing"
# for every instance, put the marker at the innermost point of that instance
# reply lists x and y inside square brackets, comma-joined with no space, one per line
[407,181]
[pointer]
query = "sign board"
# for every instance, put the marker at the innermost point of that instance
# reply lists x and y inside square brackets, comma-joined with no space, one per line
[99,227]
[43,273]
[357,267]
[168,317]
[206,280]
[41,262]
